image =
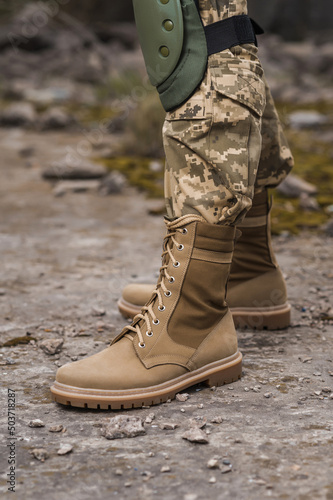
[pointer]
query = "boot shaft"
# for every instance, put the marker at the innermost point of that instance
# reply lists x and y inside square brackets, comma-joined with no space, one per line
[253,255]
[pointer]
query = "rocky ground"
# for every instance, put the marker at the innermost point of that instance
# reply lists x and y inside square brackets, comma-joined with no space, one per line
[64,260]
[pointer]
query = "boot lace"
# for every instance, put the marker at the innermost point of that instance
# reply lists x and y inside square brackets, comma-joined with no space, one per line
[147,315]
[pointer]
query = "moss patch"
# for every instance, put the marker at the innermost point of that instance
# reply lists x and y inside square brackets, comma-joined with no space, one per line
[313,163]
[138,173]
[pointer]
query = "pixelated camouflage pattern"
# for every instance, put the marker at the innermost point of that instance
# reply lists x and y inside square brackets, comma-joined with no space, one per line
[213,142]
[276,160]
[212,11]
[226,142]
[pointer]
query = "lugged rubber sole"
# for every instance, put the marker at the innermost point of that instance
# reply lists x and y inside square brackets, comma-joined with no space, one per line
[215,374]
[256,318]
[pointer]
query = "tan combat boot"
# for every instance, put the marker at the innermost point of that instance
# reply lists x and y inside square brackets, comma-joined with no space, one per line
[183,336]
[257,294]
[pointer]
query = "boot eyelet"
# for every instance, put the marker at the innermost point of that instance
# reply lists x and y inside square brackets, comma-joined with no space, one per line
[172,279]
[184,231]
[143,345]
[157,322]
[168,293]
[161,309]
[181,247]
[149,334]
[176,264]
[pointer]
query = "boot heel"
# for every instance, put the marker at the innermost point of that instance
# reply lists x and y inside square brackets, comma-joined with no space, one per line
[226,376]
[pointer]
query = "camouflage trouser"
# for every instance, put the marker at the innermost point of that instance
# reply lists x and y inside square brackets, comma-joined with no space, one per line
[226,141]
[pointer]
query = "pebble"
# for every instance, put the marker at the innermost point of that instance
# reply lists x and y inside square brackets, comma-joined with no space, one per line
[56,428]
[317,374]
[268,395]
[195,435]
[212,480]
[213,463]
[150,418]
[225,469]
[118,472]
[64,187]
[306,119]
[65,449]
[182,397]
[165,468]
[168,426]
[73,169]
[217,420]
[123,426]
[326,390]
[293,186]
[51,346]
[113,183]
[36,423]
[2,292]
[98,311]
[40,454]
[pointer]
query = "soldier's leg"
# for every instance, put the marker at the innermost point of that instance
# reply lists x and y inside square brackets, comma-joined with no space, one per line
[185,333]
[213,142]
[254,265]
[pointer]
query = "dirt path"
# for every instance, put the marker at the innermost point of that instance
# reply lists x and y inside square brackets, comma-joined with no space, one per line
[64,260]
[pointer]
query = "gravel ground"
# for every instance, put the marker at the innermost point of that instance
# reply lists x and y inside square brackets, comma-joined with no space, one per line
[64,261]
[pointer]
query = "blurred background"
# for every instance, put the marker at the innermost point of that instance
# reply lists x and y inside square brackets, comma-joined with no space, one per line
[75,67]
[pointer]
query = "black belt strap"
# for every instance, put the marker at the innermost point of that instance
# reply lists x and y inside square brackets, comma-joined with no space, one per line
[232,31]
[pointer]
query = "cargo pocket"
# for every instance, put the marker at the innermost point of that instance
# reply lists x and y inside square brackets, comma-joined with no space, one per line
[240,84]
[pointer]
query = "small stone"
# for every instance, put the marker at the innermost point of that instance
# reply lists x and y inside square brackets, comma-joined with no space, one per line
[308,203]
[64,187]
[150,418]
[212,480]
[306,360]
[293,186]
[195,435]
[40,454]
[246,389]
[200,406]
[165,468]
[326,390]
[51,346]
[123,426]
[36,423]
[198,422]
[56,118]
[317,374]
[98,311]
[118,472]
[182,410]
[10,361]
[113,183]
[226,461]
[225,469]
[151,454]
[317,393]
[65,449]
[306,119]
[128,484]
[74,169]
[18,115]
[2,292]
[56,428]
[182,397]
[268,395]
[217,420]
[168,426]
[212,464]
[256,388]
